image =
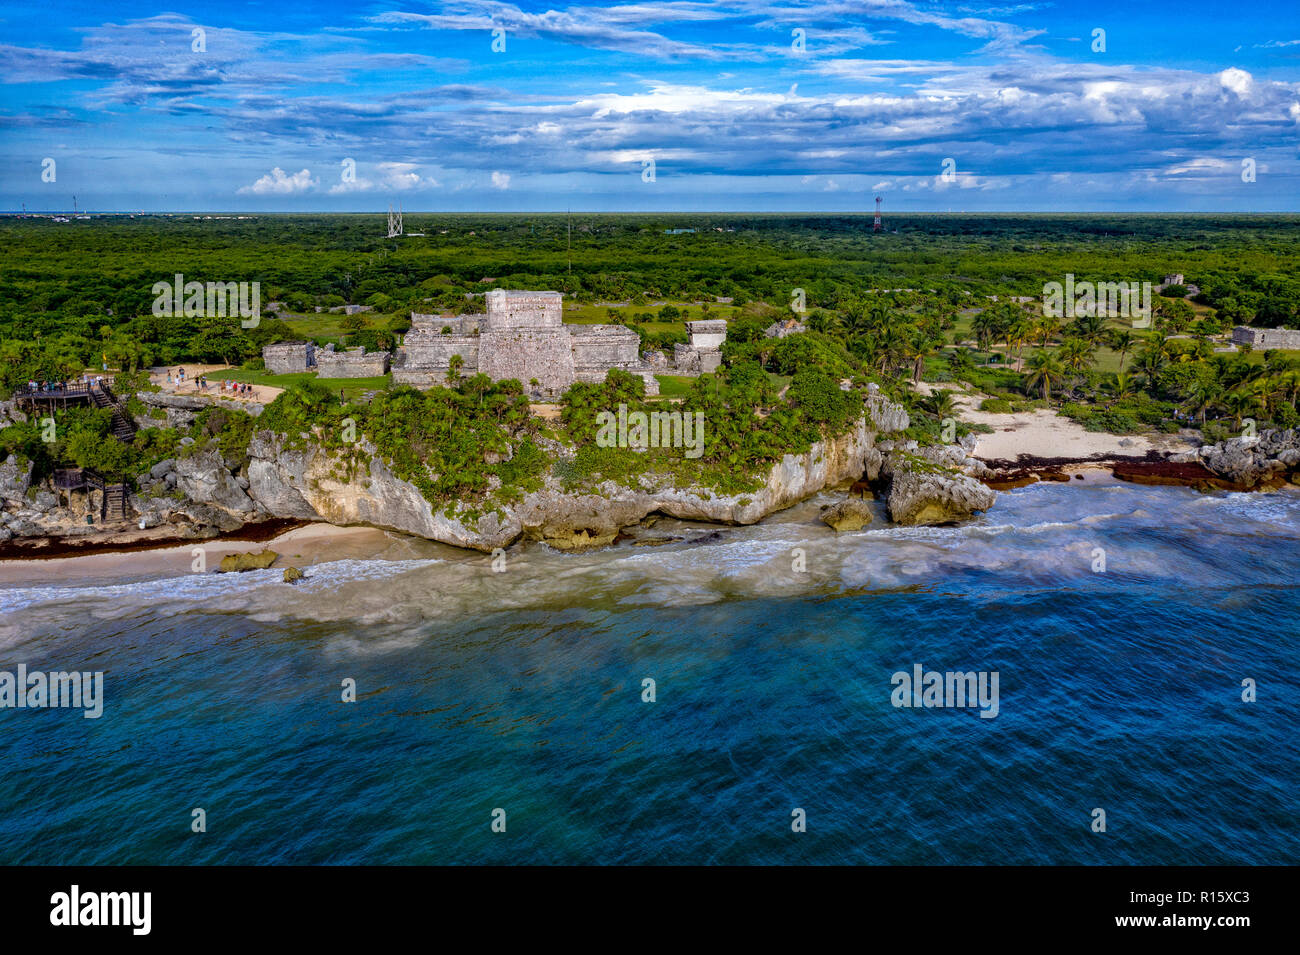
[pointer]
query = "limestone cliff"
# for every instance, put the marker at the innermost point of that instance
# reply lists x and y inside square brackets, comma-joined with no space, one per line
[308,483]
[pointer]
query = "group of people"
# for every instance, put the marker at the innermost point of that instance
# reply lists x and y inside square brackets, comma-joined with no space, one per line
[224,386]
[48,387]
[240,388]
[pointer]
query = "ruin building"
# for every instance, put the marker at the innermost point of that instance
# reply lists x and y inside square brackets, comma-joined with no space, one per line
[702,353]
[288,358]
[351,363]
[521,336]
[1285,338]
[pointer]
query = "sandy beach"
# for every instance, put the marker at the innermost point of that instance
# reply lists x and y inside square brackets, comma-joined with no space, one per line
[1045,434]
[300,547]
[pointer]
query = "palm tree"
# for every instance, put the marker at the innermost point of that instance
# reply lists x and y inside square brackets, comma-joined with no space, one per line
[1204,394]
[1122,341]
[1076,354]
[918,347]
[856,319]
[1239,404]
[985,328]
[1021,331]
[1123,386]
[1047,328]
[940,403]
[823,321]
[960,362]
[1152,359]
[1045,370]
[1091,328]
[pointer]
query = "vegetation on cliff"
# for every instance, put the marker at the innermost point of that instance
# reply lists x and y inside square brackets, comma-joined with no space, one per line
[458,445]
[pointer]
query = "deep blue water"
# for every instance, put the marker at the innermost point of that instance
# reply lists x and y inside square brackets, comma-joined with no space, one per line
[1119,690]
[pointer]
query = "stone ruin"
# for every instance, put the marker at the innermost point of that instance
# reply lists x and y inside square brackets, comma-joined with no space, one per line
[352,363]
[785,327]
[522,336]
[1266,337]
[702,354]
[287,358]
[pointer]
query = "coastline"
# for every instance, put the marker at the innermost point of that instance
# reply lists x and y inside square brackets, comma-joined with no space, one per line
[299,545]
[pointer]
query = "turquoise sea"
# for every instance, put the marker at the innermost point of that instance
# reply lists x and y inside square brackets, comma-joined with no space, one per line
[1119,689]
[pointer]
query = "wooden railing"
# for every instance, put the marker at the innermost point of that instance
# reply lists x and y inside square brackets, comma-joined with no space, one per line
[74,479]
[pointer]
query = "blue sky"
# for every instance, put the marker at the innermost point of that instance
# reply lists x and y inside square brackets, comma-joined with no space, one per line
[716,93]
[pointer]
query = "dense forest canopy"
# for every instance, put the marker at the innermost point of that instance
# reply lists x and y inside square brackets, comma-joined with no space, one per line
[934,297]
[71,276]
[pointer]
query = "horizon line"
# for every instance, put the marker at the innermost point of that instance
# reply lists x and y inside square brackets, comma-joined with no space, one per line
[865,213]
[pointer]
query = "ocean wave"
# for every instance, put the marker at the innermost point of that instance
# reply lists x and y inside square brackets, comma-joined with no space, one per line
[207,587]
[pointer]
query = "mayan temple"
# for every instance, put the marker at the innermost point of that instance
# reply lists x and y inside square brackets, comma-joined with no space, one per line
[522,336]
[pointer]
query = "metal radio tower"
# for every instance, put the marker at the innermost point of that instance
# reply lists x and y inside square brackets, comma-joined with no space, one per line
[878,227]
[394,221]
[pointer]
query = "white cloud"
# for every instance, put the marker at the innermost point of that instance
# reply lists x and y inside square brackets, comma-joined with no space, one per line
[389,177]
[500,180]
[278,183]
[1236,80]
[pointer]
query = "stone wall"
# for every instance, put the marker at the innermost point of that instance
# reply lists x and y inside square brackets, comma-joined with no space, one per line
[511,309]
[706,334]
[610,346]
[1266,337]
[544,354]
[287,358]
[353,363]
[695,361]
[423,325]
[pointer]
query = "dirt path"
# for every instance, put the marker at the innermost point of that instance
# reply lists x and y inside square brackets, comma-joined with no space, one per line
[261,394]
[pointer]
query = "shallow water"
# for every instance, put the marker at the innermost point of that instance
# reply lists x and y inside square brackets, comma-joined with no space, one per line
[522,690]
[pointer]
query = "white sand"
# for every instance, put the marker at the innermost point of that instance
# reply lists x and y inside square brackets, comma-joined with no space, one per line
[1046,434]
[300,547]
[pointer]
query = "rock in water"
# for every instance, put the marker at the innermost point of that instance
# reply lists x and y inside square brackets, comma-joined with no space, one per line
[292,575]
[849,515]
[936,497]
[241,562]
[1250,462]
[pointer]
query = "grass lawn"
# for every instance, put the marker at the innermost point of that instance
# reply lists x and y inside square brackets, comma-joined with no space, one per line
[352,387]
[674,386]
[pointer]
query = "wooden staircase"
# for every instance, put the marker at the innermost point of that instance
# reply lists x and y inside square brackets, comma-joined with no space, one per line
[112,503]
[123,427]
[112,497]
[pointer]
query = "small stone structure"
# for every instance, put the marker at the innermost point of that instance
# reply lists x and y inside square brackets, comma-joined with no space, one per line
[784,328]
[352,363]
[702,353]
[288,358]
[1288,338]
[522,336]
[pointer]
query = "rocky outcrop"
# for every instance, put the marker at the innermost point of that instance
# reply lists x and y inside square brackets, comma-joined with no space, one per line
[851,514]
[15,479]
[180,410]
[204,478]
[1264,460]
[238,563]
[286,480]
[932,485]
